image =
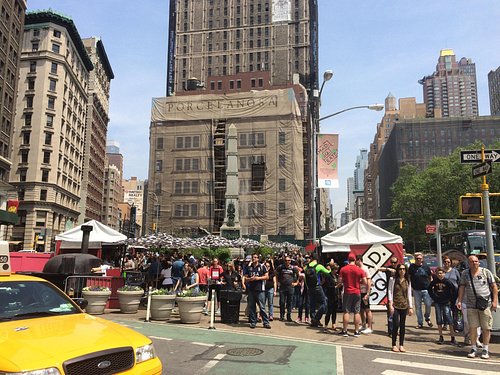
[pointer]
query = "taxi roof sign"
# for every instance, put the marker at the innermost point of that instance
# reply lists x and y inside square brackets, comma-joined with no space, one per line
[4,258]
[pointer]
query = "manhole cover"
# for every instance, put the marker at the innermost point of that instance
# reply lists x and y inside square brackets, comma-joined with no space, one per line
[244,352]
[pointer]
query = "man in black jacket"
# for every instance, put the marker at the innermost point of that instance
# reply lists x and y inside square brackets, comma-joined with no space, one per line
[288,277]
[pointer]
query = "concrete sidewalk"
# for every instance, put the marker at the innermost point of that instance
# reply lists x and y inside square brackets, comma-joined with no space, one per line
[416,340]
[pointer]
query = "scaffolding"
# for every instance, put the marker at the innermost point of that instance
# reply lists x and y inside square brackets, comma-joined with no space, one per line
[219,175]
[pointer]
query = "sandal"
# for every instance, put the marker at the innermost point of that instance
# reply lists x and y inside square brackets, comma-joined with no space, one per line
[402,349]
[395,349]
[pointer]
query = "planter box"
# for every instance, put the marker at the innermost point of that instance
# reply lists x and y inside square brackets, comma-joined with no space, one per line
[129,301]
[161,306]
[190,308]
[97,301]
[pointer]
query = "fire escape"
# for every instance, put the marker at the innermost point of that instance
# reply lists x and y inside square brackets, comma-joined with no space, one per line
[219,174]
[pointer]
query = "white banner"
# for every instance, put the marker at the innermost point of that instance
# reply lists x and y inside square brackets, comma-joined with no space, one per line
[327,156]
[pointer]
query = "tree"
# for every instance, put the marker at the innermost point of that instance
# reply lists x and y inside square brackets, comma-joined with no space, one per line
[421,197]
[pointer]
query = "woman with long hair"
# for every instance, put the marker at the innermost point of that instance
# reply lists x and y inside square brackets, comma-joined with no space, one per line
[400,305]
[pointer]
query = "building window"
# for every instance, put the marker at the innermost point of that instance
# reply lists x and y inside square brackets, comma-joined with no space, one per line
[22,175]
[231,85]
[45,175]
[26,138]
[188,142]
[41,217]
[282,184]
[50,121]
[24,156]
[56,33]
[238,84]
[53,68]
[282,138]
[212,85]
[46,157]
[159,143]
[258,176]
[282,161]
[159,165]
[31,83]
[43,195]
[34,47]
[255,209]
[48,139]
[252,82]
[219,85]
[51,102]
[32,66]
[27,119]
[29,101]
[56,48]
[282,208]
[52,84]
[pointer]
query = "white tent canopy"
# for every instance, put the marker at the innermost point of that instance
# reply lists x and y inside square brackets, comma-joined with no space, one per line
[357,232]
[100,235]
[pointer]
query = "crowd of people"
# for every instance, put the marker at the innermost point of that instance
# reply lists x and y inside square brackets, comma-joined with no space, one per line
[462,301]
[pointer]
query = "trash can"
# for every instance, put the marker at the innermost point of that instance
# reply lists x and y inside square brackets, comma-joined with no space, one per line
[230,306]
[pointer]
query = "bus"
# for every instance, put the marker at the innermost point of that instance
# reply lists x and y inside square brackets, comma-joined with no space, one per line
[458,245]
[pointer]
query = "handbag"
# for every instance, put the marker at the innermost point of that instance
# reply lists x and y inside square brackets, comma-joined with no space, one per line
[481,302]
[458,320]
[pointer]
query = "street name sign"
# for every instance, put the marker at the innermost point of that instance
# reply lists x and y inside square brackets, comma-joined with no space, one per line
[482,169]
[474,156]
[430,229]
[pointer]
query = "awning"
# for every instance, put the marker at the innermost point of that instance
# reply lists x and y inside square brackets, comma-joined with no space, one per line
[8,218]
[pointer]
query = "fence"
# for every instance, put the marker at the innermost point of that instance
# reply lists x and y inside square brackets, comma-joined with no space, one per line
[73,286]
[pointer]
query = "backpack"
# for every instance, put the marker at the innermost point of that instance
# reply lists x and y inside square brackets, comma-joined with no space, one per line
[312,277]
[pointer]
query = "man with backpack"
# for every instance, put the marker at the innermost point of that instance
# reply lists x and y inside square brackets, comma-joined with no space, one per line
[316,294]
[351,277]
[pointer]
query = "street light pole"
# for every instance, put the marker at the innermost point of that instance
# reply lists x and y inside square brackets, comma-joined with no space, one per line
[327,75]
[373,107]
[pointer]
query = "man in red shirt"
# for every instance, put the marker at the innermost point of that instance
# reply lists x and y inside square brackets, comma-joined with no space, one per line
[215,278]
[351,277]
[203,274]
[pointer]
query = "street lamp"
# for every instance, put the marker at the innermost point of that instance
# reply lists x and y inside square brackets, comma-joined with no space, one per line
[327,75]
[372,107]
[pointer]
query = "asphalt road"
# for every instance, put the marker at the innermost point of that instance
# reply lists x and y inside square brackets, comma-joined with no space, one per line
[192,349]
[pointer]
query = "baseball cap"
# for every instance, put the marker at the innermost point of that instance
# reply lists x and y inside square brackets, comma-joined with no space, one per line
[351,257]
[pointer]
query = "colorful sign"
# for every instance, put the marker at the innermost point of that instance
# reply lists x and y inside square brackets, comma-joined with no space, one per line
[327,156]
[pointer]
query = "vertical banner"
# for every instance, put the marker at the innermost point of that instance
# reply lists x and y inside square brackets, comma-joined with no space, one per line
[327,156]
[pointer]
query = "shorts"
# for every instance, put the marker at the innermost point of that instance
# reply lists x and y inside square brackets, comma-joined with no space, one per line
[352,303]
[365,304]
[477,318]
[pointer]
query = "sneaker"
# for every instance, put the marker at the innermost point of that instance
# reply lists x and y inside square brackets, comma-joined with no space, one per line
[485,354]
[267,326]
[453,341]
[252,326]
[217,313]
[343,333]
[289,319]
[419,326]
[357,334]
[440,341]
[282,319]
[472,353]
[271,318]
[429,323]
[307,321]
[298,321]
[367,331]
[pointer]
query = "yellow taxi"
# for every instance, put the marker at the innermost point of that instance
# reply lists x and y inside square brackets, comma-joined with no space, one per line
[43,332]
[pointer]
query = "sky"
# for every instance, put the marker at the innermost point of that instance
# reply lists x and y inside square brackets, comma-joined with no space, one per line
[374,47]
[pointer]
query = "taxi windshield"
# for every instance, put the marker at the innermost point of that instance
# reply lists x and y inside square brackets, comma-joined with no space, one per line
[32,299]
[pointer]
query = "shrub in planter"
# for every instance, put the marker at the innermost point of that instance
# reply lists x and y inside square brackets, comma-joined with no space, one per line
[190,304]
[129,298]
[162,303]
[97,297]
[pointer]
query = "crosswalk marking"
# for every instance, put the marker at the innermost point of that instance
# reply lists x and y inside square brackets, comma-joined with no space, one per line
[210,364]
[339,361]
[421,365]
[160,338]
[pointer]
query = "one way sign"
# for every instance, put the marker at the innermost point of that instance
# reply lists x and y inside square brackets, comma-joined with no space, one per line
[474,156]
[481,169]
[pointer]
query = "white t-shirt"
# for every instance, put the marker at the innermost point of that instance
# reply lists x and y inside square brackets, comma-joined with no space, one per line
[364,287]
[167,276]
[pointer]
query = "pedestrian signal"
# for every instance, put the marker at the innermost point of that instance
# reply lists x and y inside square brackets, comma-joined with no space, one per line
[471,205]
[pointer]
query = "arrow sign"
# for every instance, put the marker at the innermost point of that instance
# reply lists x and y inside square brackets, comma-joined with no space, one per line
[474,156]
[482,169]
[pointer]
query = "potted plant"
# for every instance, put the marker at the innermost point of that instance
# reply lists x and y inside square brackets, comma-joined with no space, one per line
[190,303]
[162,303]
[97,297]
[129,298]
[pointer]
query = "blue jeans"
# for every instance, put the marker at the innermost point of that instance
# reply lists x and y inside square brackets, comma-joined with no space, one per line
[317,297]
[422,296]
[443,314]
[254,298]
[269,300]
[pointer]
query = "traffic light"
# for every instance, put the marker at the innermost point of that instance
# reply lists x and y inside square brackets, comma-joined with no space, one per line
[471,205]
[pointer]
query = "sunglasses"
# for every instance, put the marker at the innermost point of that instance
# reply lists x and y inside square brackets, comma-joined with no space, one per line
[401,269]
[393,262]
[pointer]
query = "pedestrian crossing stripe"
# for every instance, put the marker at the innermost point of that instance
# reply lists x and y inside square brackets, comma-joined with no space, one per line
[420,365]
